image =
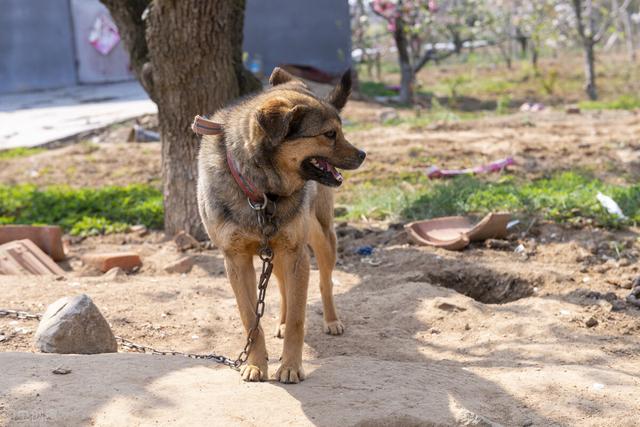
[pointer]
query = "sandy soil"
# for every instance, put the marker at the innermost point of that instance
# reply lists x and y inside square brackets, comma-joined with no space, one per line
[413,354]
[433,337]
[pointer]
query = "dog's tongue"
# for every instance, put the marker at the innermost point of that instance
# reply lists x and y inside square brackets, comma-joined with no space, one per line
[329,167]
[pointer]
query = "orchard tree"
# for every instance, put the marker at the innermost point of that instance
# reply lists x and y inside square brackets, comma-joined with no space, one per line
[588,21]
[188,56]
[417,27]
[534,20]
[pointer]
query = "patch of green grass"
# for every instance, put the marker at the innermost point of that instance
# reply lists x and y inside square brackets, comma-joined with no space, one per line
[565,197]
[19,152]
[82,211]
[357,126]
[623,102]
[503,104]
[372,89]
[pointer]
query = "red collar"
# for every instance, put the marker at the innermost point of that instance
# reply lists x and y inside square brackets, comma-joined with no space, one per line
[255,196]
[203,126]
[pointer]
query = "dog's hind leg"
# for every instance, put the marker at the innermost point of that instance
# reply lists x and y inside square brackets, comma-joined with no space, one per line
[242,276]
[279,332]
[323,242]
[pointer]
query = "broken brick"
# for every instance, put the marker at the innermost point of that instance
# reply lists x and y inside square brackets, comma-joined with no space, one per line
[106,261]
[48,238]
[23,257]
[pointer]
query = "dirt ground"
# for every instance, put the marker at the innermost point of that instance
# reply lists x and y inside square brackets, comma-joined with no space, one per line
[481,337]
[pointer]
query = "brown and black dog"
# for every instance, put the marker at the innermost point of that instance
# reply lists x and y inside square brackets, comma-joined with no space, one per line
[286,142]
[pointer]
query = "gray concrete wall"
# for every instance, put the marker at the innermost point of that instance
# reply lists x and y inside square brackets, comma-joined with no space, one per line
[93,67]
[39,50]
[306,32]
[36,45]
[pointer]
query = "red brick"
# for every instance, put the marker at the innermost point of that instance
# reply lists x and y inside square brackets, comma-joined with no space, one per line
[48,238]
[23,257]
[106,261]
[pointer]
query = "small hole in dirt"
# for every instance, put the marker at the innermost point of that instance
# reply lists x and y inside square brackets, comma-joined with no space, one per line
[489,287]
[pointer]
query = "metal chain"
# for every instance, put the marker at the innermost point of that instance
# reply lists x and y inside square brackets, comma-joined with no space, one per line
[266,256]
[18,314]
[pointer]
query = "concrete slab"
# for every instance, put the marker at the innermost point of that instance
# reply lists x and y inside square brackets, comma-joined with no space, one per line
[38,118]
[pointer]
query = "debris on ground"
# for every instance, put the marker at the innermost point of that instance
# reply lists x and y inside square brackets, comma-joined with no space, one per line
[183,265]
[500,245]
[140,134]
[387,114]
[185,241]
[366,250]
[533,107]
[572,109]
[127,261]
[434,172]
[61,371]
[610,205]
[74,325]
[114,273]
[46,237]
[140,230]
[634,297]
[23,257]
[591,322]
[456,232]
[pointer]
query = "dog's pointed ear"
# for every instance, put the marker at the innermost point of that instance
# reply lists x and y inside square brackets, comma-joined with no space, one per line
[276,119]
[279,76]
[339,95]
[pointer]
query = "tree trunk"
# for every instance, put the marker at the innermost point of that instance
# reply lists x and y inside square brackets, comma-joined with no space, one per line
[533,47]
[588,44]
[590,70]
[190,62]
[406,69]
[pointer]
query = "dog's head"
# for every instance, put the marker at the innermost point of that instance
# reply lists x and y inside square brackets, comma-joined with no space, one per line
[301,133]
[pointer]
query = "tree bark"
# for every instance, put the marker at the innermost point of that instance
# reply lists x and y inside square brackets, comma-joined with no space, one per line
[407,76]
[190,62]
[588,45]
[590,70]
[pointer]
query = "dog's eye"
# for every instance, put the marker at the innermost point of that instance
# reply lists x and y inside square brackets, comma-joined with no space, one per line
[331,134]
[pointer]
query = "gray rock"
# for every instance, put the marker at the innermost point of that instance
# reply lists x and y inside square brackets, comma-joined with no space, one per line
[74,325]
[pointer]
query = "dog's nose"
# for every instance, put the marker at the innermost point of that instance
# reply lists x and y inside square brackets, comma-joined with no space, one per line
[361,155]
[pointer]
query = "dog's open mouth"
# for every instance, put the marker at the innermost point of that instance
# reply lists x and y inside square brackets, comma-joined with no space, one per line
[319,169]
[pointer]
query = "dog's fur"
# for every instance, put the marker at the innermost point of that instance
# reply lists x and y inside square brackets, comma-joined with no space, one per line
[273,136]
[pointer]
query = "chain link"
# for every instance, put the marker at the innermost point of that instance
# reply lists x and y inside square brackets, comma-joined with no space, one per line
[18,314]
[266,256]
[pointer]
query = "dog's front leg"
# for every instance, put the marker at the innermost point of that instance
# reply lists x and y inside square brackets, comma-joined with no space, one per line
[242,276]
[294,265]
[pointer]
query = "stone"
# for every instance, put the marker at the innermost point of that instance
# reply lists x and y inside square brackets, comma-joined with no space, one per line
[140,230]
[74,325]
[572,110]
[114,273]
[591,322]
[185,241]
[47,238]
[104,262]
[183,265]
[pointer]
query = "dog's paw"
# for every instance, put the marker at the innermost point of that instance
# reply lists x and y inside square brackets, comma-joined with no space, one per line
[334,328]
[290,374]
[253,373]
[279,333]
